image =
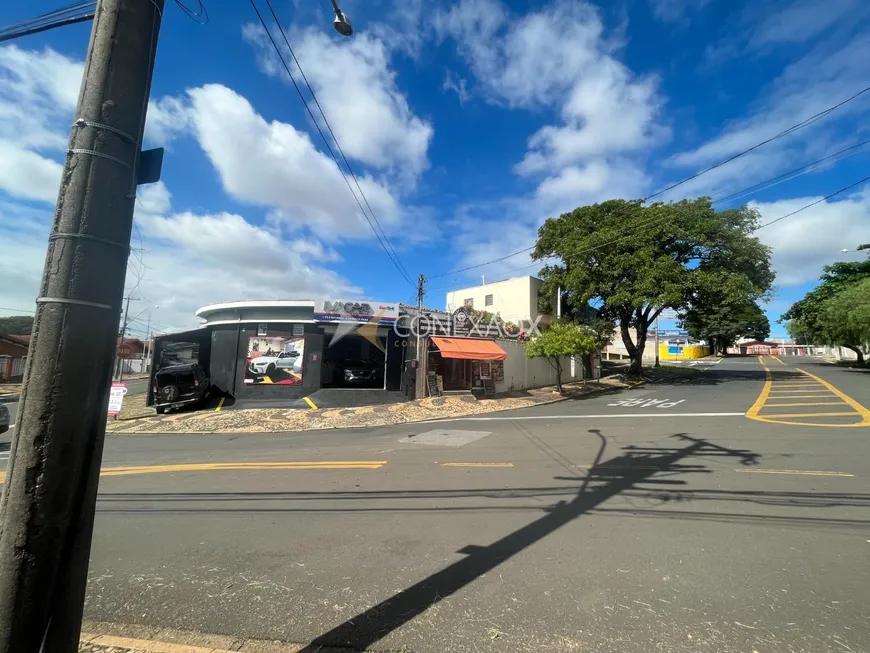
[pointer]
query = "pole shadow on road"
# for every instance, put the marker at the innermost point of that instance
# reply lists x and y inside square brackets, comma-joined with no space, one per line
[604,480]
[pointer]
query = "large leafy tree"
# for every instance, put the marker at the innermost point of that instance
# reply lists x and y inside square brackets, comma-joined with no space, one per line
[722,322]
[809,320]
[633,261]
[846,318]
[561,339]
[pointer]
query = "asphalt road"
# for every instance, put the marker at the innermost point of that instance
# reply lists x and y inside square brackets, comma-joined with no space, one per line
[656,519]
[134,387]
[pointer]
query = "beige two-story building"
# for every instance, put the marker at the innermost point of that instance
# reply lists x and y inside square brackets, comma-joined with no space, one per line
[515,300]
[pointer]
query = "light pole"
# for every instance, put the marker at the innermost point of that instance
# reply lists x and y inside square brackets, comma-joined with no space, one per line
[342,22]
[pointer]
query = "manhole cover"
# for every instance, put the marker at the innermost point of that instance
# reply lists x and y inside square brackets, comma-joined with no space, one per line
[445,438]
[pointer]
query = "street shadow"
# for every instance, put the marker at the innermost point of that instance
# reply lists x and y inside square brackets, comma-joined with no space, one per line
[5,446]
[604,480]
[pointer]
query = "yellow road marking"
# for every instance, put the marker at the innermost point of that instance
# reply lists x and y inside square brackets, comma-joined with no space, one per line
[477,464]
[148,646]
[826,395]
[752,413]
[793,387]
[267,379]
[776,358]
[208,467]
[809,403]
[864,412]
[788,418]
[798,472]
[810,414]
[310,403]
[220,405]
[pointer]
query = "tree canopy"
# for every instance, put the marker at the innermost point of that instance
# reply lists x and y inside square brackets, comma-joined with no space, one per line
[823,317]
[16,325]
[633,261]
[723,322]
[561,339]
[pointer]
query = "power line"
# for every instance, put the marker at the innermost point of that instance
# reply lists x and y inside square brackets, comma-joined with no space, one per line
[787,176]
[335,138]
[77,12]
[827,197]
[394,261]
[804,123]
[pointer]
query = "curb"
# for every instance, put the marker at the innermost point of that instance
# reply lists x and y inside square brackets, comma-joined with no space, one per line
[594,393]
[133,638]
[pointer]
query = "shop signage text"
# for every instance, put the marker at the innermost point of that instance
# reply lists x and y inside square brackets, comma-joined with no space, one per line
[341,310]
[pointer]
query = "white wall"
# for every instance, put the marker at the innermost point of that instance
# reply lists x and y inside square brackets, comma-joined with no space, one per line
[521,372]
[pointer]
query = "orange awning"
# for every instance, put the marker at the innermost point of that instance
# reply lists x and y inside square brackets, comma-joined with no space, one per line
[478,349]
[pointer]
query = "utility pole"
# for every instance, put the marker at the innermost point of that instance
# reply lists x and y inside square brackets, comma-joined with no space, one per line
[48,501]
[422,355]
[120,361]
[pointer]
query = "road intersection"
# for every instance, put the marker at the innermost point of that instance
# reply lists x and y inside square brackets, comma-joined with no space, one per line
[661,518]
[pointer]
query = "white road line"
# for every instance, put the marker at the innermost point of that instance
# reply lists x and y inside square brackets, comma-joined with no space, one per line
[616,415]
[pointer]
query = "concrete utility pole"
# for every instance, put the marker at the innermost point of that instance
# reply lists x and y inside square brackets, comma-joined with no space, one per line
[48,501]
[422,355]
[118,359]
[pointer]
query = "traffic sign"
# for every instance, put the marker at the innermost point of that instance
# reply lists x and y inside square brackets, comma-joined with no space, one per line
[125,350]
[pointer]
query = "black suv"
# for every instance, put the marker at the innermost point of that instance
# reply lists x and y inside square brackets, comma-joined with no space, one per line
[178,385]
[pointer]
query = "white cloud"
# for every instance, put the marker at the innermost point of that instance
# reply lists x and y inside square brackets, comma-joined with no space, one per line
[458,85]
[356,87]
[805,242]
[167,117]
[761,28]
[27,175]
[274,165]
[675,11]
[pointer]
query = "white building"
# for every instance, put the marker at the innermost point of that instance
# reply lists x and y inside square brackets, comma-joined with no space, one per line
[515,300]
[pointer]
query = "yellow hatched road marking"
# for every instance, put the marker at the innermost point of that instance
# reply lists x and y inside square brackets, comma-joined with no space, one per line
[810,403]
[776,358]
[768,392]
[310,403]
[797,472]
[220,405]
[826,395]
[834,414]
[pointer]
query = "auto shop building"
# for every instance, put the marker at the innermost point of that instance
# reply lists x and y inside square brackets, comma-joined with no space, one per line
[287,349]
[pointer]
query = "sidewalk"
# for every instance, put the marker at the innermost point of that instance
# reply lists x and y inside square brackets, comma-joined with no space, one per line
[142,419]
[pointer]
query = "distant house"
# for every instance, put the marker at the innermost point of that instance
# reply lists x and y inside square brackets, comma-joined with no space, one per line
[13,352]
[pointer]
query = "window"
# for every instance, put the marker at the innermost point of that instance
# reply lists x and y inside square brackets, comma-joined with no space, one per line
[487,301]
[468,303]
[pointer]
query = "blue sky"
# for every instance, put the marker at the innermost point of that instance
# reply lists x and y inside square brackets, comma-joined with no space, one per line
[467,125]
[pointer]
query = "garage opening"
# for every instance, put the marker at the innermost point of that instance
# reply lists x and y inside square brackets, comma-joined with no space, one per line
[354,360]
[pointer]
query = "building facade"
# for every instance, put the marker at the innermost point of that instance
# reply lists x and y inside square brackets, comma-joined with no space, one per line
[515,300]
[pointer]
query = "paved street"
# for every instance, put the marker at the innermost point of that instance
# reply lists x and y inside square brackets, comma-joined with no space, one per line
[728,512]
[134,387]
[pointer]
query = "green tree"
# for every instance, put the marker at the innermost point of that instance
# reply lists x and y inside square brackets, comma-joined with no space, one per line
[561,339]
[808,320]
[16,325]
[633,261]
[845,319]
[721,323]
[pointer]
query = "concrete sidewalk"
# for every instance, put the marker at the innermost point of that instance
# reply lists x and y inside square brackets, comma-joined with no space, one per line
[142,419]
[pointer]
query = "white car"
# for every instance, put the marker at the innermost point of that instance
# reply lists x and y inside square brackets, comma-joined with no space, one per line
[286,360]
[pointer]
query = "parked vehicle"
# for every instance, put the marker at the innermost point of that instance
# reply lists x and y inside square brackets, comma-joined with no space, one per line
[285,360]
[4,418]
[359,372]
[179,385]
